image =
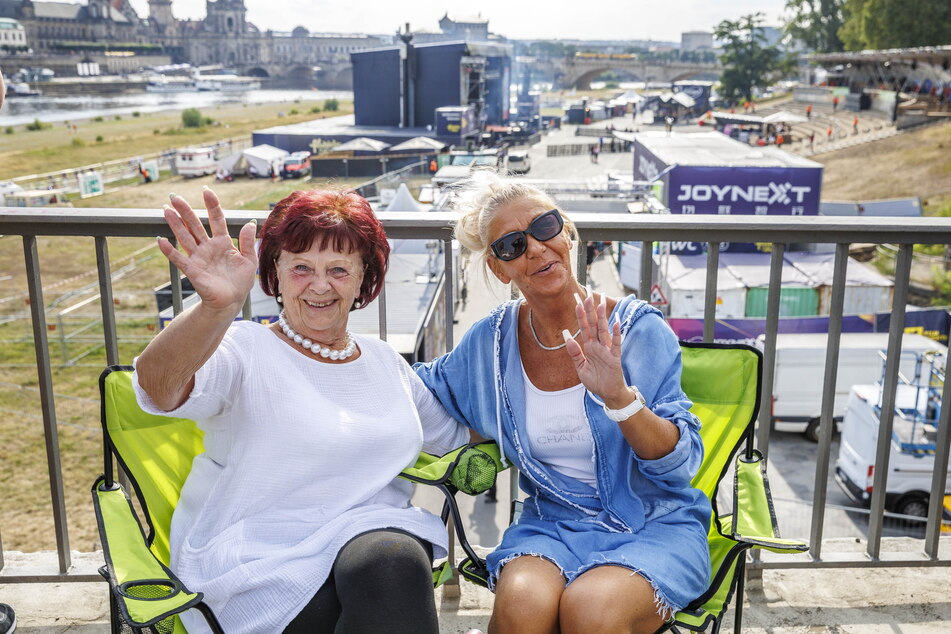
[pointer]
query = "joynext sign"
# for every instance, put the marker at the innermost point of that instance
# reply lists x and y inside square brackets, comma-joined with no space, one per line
[736,190]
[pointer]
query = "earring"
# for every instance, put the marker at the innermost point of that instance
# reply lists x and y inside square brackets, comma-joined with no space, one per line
[279,299]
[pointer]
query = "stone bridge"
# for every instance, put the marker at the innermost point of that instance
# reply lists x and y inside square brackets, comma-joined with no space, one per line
[578,72]
[330,75]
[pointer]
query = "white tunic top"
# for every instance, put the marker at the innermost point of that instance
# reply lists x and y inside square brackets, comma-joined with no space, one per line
[300,457]
[559,434]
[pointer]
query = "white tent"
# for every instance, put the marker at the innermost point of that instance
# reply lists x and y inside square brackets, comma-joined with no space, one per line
[784,116]
[681,98]
[403,200]
[418,144]
[361,144]
[256,161]
[263,159]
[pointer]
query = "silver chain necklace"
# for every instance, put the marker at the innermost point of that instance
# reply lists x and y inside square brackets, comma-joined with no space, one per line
[531,326]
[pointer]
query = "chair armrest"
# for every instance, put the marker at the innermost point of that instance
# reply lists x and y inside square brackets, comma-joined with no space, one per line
[145,590]
[754,518]
[471,468]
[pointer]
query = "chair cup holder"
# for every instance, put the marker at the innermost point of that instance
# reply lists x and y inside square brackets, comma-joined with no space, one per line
[149,589]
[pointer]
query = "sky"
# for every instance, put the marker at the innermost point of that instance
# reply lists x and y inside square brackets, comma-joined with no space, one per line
[662,20]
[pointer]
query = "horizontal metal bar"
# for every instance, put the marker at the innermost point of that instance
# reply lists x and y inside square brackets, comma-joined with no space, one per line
[849,560]
[592,226]
[52,578]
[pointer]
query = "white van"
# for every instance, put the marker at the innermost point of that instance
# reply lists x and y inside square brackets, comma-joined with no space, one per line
[800,368]
[911,452]
[195,161]
[518,162]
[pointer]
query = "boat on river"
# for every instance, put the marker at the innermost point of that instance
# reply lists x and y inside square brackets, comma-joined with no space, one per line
[164,84]
[226,83]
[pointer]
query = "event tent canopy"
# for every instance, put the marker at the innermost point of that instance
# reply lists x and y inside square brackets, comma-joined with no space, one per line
[361,144]
[259,160]
[784,116]
[418,144]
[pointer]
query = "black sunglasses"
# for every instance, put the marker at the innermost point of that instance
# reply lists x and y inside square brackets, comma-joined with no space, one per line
[544,228]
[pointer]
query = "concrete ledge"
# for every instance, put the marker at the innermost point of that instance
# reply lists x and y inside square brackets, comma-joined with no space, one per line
[788,601]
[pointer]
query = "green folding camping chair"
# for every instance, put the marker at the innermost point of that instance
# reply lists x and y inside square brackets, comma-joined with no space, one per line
[157,452]
[723,381]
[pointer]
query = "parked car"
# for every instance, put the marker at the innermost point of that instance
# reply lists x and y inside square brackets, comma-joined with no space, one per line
[519,162]
[296,165]
[461,164]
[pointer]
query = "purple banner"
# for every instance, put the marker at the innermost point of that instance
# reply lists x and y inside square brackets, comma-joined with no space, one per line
[744,191]
[934,323]
[792,191]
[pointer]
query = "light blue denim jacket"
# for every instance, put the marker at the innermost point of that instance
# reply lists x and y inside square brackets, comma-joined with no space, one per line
[480,383]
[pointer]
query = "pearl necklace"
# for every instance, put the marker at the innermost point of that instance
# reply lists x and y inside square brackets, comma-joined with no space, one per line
[315,347]
[531,326]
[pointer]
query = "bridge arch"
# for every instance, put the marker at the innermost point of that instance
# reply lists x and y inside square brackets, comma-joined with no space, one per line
[301,73]
[257,71]
[579,72]
[583,81]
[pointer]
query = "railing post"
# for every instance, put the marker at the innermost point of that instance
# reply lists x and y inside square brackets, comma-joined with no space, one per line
[451,588]
[647,264]
[105,301]
[940,474]
[45,382]
[769,352]
[827,424]
[889,390]
[176,281]
[581,265]
[710,292]
[381,305]
[448,274]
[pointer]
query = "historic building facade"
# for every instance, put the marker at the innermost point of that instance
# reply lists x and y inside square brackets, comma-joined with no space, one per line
[223,37]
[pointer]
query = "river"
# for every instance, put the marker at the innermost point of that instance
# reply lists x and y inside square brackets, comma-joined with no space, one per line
[21,110]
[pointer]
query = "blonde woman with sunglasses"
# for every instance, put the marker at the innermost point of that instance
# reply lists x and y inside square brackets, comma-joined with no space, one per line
[582,391]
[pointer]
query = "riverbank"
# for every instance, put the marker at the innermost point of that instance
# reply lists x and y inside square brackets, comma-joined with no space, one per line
[84,142]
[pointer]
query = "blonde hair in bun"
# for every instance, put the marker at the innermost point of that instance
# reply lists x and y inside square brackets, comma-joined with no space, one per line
[480,198]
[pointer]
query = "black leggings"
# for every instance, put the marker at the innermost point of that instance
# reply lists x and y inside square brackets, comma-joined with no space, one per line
[381,582]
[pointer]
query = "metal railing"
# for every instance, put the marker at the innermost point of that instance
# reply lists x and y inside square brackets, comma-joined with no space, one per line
[645,229]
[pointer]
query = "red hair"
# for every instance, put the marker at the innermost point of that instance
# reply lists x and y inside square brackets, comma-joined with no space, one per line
[341,220]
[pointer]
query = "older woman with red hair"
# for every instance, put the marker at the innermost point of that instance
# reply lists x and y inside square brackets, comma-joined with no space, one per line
[293,519]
